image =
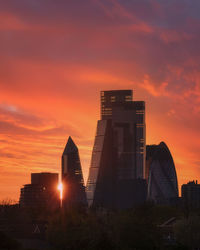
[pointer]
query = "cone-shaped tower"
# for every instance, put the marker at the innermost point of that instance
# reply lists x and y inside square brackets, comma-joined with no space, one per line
[72,177]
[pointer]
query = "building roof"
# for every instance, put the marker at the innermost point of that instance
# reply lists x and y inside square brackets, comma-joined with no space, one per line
[70,147]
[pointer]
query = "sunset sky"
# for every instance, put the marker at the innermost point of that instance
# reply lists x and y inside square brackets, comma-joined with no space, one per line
[56,56]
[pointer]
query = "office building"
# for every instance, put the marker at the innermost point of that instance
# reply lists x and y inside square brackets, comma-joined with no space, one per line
[42,192]
[161,174]
[72,177]
[118,158]
[190,193]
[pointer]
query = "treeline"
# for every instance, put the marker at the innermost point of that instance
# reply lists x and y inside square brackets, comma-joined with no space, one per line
[132,229]
[98,229]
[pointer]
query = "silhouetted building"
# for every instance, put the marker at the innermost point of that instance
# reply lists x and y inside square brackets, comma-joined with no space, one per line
[72,177]
[42,192]
[161,174]
[102,175]
[129,128]
[49,180]
[190,193]
[118,157]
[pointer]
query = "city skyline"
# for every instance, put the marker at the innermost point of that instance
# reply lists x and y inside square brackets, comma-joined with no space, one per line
[54,66]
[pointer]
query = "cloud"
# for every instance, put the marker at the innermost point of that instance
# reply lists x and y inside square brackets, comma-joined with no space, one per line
[152,89]
[57,55]
[10,22]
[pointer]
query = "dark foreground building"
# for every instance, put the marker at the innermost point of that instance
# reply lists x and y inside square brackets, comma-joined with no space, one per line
[72,177]
[42,192]
[161,174]
[116,176]
[190,193]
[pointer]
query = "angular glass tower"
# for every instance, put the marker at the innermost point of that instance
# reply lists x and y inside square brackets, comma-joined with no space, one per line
[118,158]
[102,174]
[72,177]
[161,174]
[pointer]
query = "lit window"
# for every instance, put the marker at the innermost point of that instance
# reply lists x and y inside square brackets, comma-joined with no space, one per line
[140,112]
[113,98]
[140,125]
[128,98]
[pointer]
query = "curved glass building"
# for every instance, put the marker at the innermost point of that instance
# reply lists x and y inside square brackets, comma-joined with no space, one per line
[161,174]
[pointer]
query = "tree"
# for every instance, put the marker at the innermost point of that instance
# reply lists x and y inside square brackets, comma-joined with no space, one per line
[187,232]
[8,243]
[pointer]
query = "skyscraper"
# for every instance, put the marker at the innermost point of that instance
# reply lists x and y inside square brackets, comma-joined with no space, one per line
[118,158]
[162,179]
[72,177]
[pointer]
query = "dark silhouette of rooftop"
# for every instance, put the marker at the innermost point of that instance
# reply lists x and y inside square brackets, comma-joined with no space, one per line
[70,146]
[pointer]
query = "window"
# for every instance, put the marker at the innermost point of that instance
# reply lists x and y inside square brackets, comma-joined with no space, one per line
[102,99]
[139,125]
[128,98]
[140,112]
[113,98]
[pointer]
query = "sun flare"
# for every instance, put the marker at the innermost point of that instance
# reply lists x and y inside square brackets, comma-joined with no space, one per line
[60,188]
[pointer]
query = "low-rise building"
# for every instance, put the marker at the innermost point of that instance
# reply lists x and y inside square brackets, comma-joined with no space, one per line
[42,192]
[190,193]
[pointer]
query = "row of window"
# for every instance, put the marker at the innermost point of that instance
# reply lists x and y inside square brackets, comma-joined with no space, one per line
[106,113]
[127,98]
[109,109]
[139,125]
[140,112]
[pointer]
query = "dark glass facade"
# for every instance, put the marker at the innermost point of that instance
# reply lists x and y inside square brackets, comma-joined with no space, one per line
[118,158]
[162,179]
[129,128]
[102,176]
[72,177]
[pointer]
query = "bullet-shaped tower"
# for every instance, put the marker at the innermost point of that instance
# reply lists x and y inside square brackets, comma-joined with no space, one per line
[161,175]
[72,177]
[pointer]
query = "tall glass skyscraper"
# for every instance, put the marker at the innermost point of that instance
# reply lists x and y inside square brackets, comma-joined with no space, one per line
[72,177]
[118,158]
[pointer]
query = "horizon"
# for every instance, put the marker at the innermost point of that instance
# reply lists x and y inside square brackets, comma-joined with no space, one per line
[55,60]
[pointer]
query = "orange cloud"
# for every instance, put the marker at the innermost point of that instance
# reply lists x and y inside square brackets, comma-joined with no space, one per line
[11,22]
[152,89]
[55,59]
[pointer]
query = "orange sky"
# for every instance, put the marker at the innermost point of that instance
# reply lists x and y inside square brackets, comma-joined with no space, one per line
[56,56]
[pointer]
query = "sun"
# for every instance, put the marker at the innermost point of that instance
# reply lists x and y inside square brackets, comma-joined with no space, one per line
[60,188]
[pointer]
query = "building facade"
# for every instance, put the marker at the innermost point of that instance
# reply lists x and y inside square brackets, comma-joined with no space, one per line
[42,192]
[118,158]
[161,174]
[72,177]
[190,194]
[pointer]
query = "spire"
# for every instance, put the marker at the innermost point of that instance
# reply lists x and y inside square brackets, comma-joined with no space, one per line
[70,146]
